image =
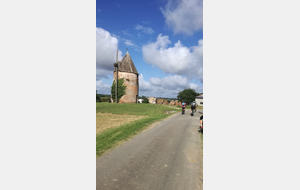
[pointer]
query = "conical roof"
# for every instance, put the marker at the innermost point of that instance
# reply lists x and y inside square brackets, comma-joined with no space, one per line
[127,65]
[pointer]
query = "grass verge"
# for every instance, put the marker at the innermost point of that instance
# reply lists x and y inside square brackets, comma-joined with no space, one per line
[201,161]
[106,121]
[112,137]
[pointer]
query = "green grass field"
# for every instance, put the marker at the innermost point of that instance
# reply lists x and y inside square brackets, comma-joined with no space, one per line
[133,109]
[110,138]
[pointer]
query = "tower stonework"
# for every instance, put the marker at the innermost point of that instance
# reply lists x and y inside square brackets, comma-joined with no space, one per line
[127,71]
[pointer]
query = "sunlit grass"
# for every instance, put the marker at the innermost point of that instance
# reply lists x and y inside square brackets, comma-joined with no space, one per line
[146,114]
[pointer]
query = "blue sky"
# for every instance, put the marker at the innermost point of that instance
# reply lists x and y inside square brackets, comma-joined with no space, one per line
[164,39]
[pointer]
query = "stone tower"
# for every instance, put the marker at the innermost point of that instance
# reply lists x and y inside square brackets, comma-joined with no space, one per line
[127,70]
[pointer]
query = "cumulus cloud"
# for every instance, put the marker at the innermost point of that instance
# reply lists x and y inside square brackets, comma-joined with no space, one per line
[106,49]
[184,16]
[144,29]
[179,60]
[102,88]
[168,86]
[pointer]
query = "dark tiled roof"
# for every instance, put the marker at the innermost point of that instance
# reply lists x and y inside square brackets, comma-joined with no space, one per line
[199,97]
[127,65]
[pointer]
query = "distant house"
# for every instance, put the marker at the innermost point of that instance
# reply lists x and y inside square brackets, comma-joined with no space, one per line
[152,100]
[140,100]
[199,100]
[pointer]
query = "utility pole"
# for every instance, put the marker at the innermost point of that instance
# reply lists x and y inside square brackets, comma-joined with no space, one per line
[116,65]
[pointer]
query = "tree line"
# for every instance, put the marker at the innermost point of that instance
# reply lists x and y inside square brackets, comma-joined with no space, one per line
[187,95]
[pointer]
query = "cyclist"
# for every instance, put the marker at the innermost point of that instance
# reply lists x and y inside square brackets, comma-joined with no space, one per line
[193,106]
[183,104]
[201,124]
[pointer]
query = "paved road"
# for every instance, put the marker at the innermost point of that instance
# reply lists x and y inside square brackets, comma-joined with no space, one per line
[164,157]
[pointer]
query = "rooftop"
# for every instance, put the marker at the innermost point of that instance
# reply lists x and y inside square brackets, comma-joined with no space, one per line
[126,65]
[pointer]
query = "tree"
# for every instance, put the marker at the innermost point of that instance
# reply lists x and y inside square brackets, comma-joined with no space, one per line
[146,100]
[188,95]
[98,99]
[121,89]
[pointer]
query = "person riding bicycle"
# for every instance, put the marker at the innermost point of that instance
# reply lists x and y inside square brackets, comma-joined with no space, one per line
[201,124]
[183,104]
[193,106]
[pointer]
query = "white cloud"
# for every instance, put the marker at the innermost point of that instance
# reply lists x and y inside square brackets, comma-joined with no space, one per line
[128,42]
[102,88]
[146,22]
[144,29]
[131,44]
[168,86]
[140,35]
[178,60]
[184,16]
[126,33]
[106,49]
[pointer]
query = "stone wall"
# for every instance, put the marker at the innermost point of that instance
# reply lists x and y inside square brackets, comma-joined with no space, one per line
[172,102]
[131,82]
[160,101]
[177,103]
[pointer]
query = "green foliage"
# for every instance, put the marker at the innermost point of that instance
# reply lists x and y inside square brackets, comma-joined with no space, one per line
[188,95]
[104,95]
[146,100]
[121,89]
[105,99]
[98,99]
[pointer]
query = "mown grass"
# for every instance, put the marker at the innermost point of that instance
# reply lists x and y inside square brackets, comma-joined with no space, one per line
[132,109]
[110,138]
[189,107]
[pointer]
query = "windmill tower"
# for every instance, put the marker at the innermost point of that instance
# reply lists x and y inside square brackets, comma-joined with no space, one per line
[126,69]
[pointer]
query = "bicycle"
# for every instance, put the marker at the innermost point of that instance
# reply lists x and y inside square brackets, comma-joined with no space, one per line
[200,129]
[192,113]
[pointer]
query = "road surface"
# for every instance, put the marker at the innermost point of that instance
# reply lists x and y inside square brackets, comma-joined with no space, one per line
[163,157]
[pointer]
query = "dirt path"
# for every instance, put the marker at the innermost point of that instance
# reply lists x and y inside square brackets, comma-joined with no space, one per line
[166,156]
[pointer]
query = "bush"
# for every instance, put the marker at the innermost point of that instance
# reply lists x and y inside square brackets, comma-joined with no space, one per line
[146,100]
[105,99]
[121,89]
[98,99]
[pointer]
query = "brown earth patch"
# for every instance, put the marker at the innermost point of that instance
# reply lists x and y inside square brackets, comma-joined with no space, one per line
[108,120]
